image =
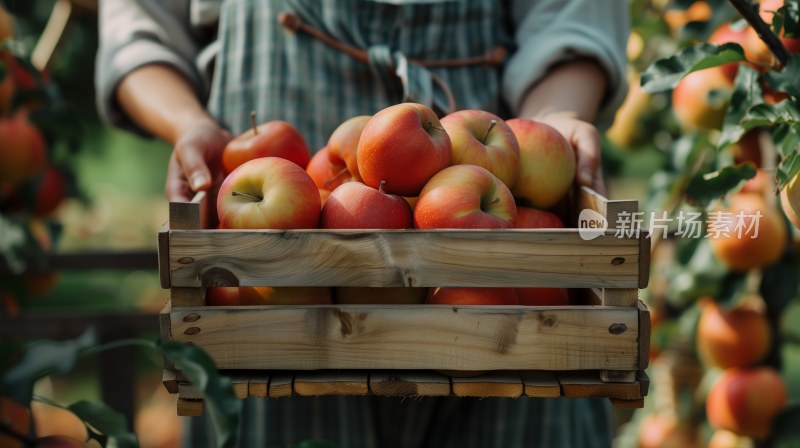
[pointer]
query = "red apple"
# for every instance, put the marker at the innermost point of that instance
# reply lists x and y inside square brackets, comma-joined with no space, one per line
[354,205]
[268,193]
[728,34]
[323,173]
[22,151]
[50,192]
[472,296]
[404,145]
[701,98]
[484,139]
[739,337]
[6,87]
[547,163]
[532,218]
[353,295]
[745,401]
[301,295]
[223,296]
[343,146]
[465,197]
[272,139]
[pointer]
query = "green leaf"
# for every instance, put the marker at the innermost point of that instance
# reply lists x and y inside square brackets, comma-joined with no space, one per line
[40,360]
[707,187]
[789,17]
[747,93]
[107,421]
[664,74]
[784,112]
[223,406]
[315,444]
[780,283]
[788,79]
[786,431]
[788,168]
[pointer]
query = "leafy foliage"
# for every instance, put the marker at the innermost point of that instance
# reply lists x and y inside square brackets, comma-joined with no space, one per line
[664,74]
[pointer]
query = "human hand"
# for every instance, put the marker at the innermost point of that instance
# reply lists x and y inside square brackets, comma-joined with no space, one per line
[585,139]
[195,160]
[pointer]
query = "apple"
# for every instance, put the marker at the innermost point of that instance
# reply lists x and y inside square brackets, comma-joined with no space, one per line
[223,296]
[354,205]
[790,200]
[472,296]
[531,218]
[343,146]
[701,98]
[6,88]
[6,24]
[484,139]
[465,197]
[726,33]
[745,401]
[22,151]
[759,51]
[274,138]
[300,295]
[404,145]
[355,295]
[738,337]
[547,163]
[268,193]
[51,191]
[323,173]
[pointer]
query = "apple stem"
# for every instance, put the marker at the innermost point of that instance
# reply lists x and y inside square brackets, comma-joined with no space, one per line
[431,126]
[494,200]
[247,195]
[253,122]
[383,184]
[492,124]
[336,177]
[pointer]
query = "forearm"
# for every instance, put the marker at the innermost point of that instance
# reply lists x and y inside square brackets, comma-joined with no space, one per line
[575,89]
[161,101]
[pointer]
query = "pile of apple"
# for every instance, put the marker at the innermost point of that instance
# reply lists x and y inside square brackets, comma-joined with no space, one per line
[402,168]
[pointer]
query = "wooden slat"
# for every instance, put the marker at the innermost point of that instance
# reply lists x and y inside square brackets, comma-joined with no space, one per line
[412,337]
[188,215]
[637,403]
[409,383]
[612,210]
[618,376]
[619,296]
[507,385]
[280,385]
[644,382]
[644,335]
[182,297]
[190,408]
[170,381]
[540,384]
[587,384]
[165,333]
[241,385]
[331,383]
[259,385]
[508,257]
[644,260]
[189,391]
[163,255]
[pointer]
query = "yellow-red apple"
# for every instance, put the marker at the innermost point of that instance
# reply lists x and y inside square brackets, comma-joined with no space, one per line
[701,98]
[223,296]
[268,193]
[790,200]
[547,163]
[354,205]
[465,197]
[745,401]
[343,147]
[484,139]
[22,151]
[356,295]
[291,295]
[404,145]
[274,138]
[323,173]
[531,218]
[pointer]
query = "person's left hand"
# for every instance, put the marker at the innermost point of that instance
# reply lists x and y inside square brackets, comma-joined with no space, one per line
[585,139]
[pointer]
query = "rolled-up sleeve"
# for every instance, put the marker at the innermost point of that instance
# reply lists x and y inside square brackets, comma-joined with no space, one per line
[548,32]
[138,33]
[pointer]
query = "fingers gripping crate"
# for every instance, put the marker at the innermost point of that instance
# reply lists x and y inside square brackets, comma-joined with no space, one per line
[595,350]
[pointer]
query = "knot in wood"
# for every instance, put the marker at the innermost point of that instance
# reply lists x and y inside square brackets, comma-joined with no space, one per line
[617,329]
[191,331]
[186,260]
[548,321]
[617,261]
[218,277]
[193,317]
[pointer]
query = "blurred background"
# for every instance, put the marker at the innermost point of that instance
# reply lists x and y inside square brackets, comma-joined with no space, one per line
[79,249]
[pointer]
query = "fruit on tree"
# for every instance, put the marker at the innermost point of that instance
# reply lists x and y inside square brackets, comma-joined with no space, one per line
[403,145]
[343,147]
[627,130]
[22,151]
[676,18]
[748,233]
[353,295]
[759,50]
[268,193]
[727,33]
[6,24]
[737,337]
[790,200]
[285,295]
[547,163]
[482,138]
[472,296]
[663,430]
[354,205]
[745,401]
[725,439]
[465,197]
[6,88]
[701,98]
[274,138]
[51,190]
[748,148]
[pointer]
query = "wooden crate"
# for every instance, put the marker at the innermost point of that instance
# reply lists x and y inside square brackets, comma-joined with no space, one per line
[595,350]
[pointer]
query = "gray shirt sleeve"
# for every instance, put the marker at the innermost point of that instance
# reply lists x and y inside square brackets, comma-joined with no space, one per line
[142,32]
[548,32]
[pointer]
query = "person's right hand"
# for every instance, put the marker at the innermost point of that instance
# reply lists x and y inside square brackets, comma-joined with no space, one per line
[195,160]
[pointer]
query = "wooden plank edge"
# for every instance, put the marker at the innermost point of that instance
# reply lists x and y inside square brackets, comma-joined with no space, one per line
[644,335]
[644,259]
[618,403]
[170,380]
[165,331]
[163,256]
[190,408]
[188,215]
[319,383]
[409,384]
[488,385]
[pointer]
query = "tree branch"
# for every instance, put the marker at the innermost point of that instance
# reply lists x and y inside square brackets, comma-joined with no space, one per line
[749,13]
